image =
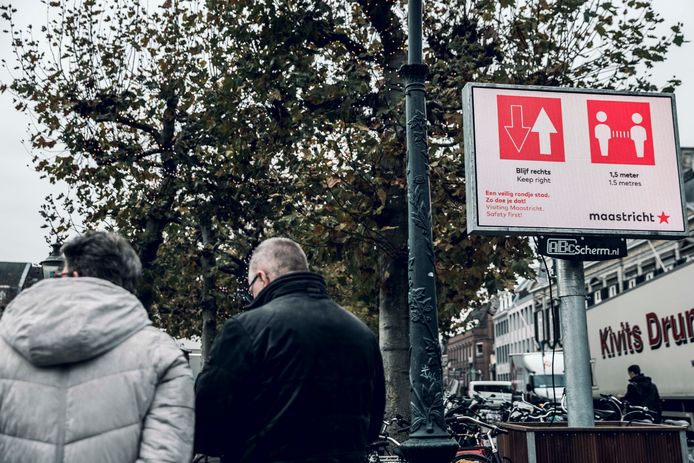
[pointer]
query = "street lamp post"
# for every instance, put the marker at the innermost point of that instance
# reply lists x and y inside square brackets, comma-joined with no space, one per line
[429,441]
[53,264]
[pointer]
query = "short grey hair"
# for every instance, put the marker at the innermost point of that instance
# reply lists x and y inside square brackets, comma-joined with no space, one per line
[104,255]
[278,256]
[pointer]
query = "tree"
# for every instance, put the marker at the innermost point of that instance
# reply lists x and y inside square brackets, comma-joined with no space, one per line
[300,103]
[338,61]
[125,101]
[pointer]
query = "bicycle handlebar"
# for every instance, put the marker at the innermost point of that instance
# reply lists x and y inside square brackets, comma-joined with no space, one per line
[402,423]
[625,404]
[480,423]
[639,408]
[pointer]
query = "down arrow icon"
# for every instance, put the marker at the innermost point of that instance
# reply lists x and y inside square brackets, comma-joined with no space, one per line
[517,132]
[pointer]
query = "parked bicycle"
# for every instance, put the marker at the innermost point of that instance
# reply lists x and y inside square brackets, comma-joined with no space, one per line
[521,411]
[387,448]
[456,405]
[613,409]
[478,443]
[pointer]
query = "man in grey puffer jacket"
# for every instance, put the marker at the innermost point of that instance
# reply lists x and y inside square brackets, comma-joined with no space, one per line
[84,377]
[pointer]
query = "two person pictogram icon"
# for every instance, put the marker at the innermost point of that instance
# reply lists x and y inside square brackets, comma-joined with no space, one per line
[603,132]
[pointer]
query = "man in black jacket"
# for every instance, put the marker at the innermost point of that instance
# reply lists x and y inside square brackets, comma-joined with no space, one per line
[642,391]
[295,378]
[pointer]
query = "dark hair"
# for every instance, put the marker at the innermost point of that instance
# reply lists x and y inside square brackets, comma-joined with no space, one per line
[103,255]
[634,369]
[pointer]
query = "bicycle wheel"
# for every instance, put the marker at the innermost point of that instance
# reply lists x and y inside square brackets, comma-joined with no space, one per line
[471,459]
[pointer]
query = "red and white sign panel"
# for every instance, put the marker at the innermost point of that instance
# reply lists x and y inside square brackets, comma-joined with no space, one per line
[621,132]
[566,161]
[526,130]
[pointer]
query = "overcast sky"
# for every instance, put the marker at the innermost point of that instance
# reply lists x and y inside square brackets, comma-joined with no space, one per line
[22,192]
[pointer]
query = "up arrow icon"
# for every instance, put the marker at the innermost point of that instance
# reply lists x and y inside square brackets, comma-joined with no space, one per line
[544,128]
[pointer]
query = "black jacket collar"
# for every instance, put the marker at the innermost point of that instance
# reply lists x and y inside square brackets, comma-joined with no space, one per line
[295,282]
[641,378]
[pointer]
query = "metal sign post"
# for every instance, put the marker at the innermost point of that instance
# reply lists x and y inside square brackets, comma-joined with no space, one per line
[574,327]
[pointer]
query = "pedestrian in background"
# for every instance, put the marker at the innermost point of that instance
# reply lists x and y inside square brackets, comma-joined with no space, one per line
[84,377]
[295,378]
[641,391]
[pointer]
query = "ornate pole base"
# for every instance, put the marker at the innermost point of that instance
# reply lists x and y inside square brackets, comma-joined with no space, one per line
[429,449]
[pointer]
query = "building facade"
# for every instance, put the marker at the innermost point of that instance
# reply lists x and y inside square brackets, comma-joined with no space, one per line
[470,355]
[513,327]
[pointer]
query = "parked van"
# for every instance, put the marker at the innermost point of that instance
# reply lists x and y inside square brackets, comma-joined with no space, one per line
[496,392]
[531,375]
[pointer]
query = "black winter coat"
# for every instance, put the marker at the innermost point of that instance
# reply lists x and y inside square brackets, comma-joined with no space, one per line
[643,392]
[295,378]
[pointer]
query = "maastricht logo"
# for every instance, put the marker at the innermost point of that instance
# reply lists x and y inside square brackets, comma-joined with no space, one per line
[571,247]
[623,216]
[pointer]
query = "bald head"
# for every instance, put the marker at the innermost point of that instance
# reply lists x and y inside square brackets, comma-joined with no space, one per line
[276,257]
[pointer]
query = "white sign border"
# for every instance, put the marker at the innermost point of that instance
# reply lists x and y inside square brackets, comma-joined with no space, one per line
[471,204]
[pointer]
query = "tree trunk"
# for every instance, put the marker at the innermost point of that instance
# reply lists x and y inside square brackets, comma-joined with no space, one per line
[393,307]
[208,302]
[393,318]
[152,240]
[159,216]
[393,327]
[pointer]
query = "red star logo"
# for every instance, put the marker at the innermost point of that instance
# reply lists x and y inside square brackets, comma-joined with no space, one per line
[663,218]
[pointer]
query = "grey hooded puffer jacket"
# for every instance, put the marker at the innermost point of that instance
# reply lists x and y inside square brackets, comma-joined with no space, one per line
[85,378]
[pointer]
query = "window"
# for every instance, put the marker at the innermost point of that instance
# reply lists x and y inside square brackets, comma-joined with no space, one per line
[612,291]
[597,297]
[648,266]
[479,349]
[498,388]
[545,381]
[631,272]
